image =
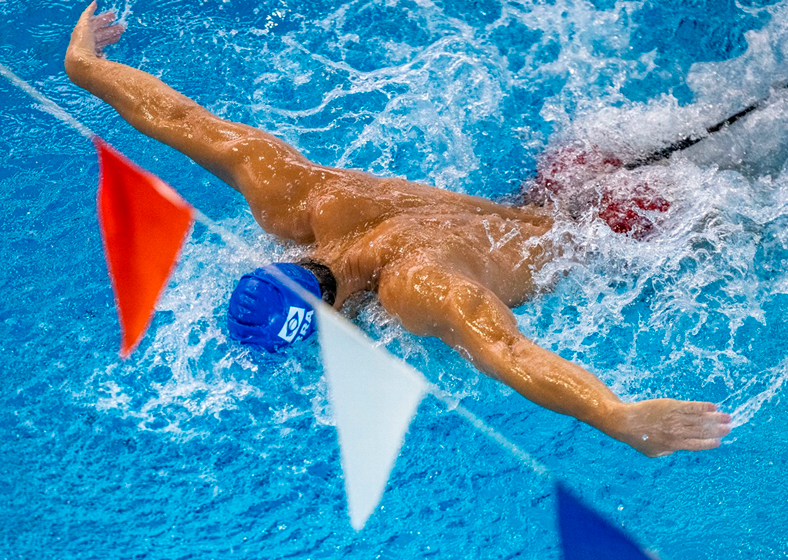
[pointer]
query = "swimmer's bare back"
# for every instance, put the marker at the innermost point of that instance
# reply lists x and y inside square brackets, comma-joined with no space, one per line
[448,265]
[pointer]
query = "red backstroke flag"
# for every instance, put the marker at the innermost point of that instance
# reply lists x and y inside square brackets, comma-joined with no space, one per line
[143,225]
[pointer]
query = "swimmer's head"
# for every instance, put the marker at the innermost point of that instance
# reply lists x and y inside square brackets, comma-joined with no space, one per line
[265,313]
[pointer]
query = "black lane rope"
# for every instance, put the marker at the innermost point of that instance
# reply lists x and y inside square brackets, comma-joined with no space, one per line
[685,143]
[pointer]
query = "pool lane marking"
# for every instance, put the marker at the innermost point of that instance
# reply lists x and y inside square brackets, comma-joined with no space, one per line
[47,105]
[452,404]
[503,442]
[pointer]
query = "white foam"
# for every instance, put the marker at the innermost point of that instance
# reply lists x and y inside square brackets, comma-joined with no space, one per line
[728,198]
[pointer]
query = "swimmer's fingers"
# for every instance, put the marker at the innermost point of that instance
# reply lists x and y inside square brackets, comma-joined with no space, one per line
[106,36]
[700,444]
[92,33]
[704,430]
[697,413]
[102,20]
[718,425]
[697,407]
[105,32]
[707,437]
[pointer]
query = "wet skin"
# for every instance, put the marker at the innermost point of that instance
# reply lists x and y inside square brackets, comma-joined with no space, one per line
[448,265]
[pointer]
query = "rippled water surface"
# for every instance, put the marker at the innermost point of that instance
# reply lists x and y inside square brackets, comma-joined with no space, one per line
[197,448]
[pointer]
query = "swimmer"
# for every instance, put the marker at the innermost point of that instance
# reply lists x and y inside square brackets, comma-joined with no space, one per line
[447,265]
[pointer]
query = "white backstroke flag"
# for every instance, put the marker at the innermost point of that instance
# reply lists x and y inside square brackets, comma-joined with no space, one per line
[374,396]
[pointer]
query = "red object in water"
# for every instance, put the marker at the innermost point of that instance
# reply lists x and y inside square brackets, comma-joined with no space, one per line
[143,225]
[568,167]
[569,171]
[623,212]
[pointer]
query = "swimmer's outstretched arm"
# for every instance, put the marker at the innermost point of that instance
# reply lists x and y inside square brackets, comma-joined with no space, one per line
[271,175]
[432,301]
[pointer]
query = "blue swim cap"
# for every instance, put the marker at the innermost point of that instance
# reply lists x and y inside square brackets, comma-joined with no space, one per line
[265,313]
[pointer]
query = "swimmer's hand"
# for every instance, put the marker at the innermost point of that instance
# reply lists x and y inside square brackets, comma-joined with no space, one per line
[90,36]
[659,427]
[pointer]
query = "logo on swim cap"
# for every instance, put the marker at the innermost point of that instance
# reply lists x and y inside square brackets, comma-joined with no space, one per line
[297,323]
[264,312]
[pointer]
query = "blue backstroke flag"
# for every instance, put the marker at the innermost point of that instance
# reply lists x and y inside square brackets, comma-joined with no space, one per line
[587,536]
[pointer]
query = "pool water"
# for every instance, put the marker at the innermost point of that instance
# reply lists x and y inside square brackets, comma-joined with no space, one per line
[198,448]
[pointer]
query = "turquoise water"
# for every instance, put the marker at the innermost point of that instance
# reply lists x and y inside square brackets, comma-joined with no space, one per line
[196,448]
